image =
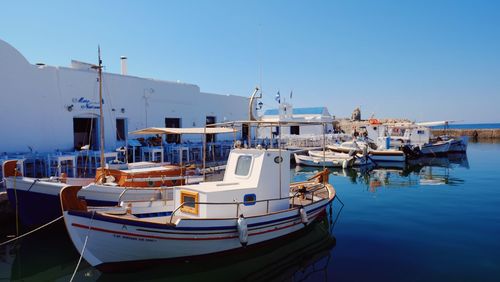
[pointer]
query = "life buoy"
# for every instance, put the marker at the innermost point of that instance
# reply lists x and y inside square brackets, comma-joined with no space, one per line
[374,121]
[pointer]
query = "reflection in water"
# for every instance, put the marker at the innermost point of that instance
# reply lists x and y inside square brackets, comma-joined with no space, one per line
[49,256]
[42,256]
[306,254]
[423,171]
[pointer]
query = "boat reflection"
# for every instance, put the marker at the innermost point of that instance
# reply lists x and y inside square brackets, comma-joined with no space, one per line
[49,256]
[419,172]
[45,255]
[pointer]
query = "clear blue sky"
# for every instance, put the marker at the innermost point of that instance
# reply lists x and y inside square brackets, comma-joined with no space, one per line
[425,60]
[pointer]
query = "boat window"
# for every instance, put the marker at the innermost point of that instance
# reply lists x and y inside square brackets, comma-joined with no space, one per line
[420,132]
[189,199]
[243,165]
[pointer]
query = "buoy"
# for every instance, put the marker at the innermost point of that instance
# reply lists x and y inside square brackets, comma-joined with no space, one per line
[303,216]
[242,230]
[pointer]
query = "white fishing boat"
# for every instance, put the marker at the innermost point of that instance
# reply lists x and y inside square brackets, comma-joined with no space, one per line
[436,148]
[331,159]
[376,153]
[253,204]
[303,160]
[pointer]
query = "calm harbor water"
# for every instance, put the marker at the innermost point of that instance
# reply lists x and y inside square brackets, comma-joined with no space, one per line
[436,219]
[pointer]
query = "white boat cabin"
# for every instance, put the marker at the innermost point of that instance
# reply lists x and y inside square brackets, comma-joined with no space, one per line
[400,134]
[252,176]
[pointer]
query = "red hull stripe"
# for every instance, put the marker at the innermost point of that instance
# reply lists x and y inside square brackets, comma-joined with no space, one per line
[177,238]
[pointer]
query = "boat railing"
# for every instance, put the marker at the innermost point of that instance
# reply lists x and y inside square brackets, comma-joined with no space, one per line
[126,189]
[300,193]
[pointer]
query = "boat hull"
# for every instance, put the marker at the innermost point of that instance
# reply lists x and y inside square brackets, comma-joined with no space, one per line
[387,156]
[458,145]
[439,148]
[38,201]
[331,162]
[114,240]
[33,208]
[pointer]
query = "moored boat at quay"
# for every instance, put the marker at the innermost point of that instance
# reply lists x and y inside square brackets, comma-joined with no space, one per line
[376,153]
[248,207]
[331,159]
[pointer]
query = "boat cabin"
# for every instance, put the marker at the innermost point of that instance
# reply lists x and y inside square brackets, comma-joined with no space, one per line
[400,134]
[257,179]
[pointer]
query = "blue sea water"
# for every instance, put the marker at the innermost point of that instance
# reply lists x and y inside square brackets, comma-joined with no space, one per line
[471,126]
[437,219]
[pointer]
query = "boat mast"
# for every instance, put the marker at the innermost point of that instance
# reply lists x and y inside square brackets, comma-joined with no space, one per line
[101,117]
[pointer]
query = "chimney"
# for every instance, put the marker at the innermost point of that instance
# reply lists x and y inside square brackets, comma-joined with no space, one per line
[123,60]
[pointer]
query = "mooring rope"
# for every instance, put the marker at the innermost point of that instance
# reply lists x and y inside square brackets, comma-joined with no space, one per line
[83,248]
[334,222]
[17,203]
[32,231]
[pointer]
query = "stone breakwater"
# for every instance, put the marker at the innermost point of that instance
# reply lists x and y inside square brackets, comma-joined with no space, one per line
[471,133]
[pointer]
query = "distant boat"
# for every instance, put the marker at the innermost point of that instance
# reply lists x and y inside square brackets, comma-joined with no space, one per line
[376,153]
[331,159]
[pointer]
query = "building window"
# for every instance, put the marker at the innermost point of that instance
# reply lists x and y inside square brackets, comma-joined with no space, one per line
[210,137]
[189,199]
[295,130]
[173,123]
[121,129]
[243,165]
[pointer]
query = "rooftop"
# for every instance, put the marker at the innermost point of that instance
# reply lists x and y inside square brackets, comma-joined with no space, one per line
[299,111]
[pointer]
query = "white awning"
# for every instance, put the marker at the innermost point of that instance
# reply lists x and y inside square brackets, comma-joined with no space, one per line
[193,130]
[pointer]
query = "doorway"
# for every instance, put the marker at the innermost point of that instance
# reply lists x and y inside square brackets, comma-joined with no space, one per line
[85,133]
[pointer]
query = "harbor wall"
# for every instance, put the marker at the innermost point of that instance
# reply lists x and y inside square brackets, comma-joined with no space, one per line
[471,133]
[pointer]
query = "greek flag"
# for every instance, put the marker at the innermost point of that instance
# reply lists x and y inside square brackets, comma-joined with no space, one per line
[278,97]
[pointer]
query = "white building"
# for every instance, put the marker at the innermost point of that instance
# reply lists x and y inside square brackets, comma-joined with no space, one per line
[286,112]
[45,108]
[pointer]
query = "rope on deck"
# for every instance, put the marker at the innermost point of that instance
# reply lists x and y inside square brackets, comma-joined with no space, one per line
[83,248]
[30,232]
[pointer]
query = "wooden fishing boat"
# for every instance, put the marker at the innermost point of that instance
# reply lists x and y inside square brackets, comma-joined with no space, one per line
[248,207]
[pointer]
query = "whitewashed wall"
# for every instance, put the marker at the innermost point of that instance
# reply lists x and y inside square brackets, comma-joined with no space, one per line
[34,101]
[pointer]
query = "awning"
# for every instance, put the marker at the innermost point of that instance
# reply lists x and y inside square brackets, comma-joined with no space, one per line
[193,130]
